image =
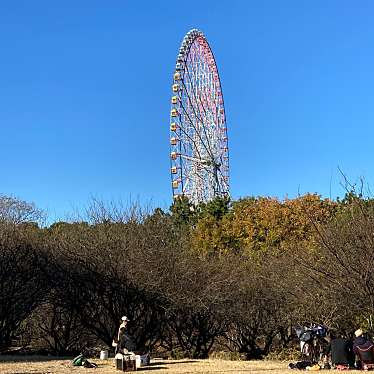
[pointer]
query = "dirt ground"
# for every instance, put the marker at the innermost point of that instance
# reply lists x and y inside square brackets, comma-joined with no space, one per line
[43,365]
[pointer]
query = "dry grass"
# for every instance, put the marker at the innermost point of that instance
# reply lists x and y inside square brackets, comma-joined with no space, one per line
[46,365]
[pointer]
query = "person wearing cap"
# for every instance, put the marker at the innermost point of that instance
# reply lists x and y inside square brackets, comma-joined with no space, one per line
[122,326]
[360,340]
[121,332]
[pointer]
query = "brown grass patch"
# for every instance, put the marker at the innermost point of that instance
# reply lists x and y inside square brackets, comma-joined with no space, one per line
[49,365]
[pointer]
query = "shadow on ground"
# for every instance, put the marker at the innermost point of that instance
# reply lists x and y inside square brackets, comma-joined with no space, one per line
[161,362]
[252,370]
[151,367]
[36,358]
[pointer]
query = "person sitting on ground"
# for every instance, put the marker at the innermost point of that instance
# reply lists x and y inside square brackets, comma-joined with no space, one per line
[360,342]
[341,351]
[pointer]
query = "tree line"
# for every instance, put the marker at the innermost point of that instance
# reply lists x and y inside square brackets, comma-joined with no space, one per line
[226,275]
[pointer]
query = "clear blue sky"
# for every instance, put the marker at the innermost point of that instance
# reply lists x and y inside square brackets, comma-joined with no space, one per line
[85,88]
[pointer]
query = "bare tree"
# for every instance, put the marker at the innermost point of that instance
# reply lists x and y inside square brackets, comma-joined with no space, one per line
[22,282]
[18,211]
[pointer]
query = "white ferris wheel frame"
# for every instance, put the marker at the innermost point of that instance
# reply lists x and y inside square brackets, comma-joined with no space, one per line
[199,151]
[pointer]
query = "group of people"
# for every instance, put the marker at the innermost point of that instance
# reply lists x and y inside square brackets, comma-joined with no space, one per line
[346,353]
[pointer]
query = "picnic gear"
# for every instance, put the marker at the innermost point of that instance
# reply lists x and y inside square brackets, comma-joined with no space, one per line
[80,360]
[313,368]
[342,367]
[103,355]
[125,362]
[142,360]
[300,365]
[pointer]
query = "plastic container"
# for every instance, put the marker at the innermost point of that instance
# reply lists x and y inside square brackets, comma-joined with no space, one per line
[103,355]
[142,360]
[138,361]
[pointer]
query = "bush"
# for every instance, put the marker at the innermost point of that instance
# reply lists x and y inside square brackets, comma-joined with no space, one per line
[227,356]
[285,354]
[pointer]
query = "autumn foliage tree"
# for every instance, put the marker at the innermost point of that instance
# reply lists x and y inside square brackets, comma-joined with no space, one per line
[234,275]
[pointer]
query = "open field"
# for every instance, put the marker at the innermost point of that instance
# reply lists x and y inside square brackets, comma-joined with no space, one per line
[43,365]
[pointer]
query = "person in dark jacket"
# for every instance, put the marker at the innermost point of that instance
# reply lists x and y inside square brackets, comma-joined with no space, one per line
[364,344]
[125,342]
[341,350]
[360,340]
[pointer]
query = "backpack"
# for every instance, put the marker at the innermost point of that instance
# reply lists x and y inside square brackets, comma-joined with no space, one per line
[79,360]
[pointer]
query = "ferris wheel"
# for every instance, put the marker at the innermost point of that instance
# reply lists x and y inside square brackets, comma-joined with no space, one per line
[199,151]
